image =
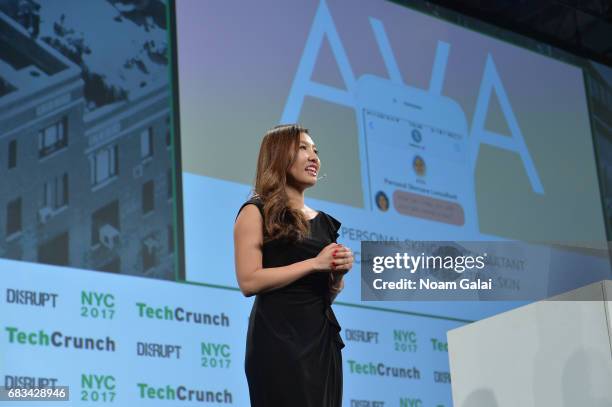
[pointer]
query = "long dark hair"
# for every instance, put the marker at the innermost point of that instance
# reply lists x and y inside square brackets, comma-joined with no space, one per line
[277,152]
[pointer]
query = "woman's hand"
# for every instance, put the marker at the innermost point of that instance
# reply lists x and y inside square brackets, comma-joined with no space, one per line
[335,257]
[323,261]
[342,260]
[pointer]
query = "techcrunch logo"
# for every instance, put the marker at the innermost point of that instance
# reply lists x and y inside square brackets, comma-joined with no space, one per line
[179,314]
[33,298]
[97,305]
[182,393]
[380,369]
[58,340]
[98,388]
[439,346]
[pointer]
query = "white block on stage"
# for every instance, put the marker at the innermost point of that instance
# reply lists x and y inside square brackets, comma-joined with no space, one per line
[552,353]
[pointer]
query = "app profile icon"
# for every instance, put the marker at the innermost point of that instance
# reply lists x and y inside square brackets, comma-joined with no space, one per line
[418,164]
[382,201]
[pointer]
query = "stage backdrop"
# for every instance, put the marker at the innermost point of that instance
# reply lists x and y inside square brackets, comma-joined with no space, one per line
[116,251]
[427,130]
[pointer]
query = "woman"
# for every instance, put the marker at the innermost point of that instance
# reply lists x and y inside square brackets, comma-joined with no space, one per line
[286,254]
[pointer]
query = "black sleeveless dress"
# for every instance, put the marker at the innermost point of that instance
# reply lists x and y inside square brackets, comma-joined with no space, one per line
[293,356]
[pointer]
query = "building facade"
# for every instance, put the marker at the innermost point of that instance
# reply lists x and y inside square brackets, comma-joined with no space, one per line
[90,189]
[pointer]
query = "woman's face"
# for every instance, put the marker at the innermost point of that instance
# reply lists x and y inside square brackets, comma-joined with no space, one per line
[305,168]
[382,202]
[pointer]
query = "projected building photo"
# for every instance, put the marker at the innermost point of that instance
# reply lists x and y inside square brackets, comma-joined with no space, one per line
[86,135]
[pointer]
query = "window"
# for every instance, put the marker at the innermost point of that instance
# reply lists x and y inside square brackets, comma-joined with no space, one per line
[146,143]
[13,217]
[169,183]
[149,250]
[105,225]
[170,239]
[113,266]
[168,134]
[148,202]
[104,164]
[55,250]
[12,154]
[52,138]
[55,192]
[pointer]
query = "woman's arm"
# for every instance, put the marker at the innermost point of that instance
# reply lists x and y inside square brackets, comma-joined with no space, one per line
[343,261]
[252,277]
[336,284]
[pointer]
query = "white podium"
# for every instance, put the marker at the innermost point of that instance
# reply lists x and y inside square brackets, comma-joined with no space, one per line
[545,354]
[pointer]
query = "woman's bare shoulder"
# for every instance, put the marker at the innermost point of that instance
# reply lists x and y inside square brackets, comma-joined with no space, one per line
[249,213]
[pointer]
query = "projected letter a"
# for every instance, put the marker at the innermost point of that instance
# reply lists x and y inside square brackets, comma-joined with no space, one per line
[514,143]
[302,86]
